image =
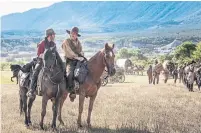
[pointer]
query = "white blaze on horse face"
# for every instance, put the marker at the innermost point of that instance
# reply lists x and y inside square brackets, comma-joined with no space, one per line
[111,54]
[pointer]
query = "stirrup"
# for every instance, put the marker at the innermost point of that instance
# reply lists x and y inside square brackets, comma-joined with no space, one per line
[30,94]
[76,85]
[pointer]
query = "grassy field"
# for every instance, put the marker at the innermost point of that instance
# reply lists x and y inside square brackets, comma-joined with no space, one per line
[5,77]
[133,106]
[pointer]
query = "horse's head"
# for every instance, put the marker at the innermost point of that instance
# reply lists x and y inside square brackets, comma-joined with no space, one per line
[15,67]
[109,59]
[50,58]
[191,68]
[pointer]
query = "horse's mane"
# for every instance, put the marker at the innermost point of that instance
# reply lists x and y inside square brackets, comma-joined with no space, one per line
[94,57]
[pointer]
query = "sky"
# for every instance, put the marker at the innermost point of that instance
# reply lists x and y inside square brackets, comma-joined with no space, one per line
[7,7]
[14,6]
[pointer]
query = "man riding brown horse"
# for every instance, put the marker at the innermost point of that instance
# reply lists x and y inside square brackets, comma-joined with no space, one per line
[73,53]
[47,43]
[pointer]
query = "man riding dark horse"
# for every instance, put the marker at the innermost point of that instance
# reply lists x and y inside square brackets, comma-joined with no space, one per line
[73,53]
[43,46]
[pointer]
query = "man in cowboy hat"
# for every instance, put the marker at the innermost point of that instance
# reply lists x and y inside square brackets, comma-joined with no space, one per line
[73,52]
[45,44]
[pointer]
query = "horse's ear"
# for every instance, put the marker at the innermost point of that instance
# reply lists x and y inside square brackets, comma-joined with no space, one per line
[113,46]
[106,46]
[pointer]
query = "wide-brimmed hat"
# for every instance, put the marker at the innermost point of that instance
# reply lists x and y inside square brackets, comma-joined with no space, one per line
[74,29]
[50,32]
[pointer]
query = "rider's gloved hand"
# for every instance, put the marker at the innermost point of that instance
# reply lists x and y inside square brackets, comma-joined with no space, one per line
[80,58]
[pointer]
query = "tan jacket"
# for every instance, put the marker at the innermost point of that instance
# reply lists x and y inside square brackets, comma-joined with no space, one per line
[68,51]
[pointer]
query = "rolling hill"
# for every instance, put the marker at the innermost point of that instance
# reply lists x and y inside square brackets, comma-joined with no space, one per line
[103,17]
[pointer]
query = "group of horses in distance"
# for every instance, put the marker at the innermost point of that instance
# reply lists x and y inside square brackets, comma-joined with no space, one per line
[53,85]
[188,74]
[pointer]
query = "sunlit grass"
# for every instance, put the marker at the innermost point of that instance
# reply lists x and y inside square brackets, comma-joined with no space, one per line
[130,107]
[6,77]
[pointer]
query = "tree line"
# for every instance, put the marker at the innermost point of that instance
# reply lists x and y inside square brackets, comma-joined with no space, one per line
[184,53]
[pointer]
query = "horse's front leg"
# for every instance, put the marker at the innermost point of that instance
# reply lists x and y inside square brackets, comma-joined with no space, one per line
[55,105]
[60,107]
[154,78]
[24,97]
[81,103]
[44,104]
[21,105]
[91,103]
[30,103]
[157,78]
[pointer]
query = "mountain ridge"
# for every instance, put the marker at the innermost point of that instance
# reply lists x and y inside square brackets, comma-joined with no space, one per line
[106,16]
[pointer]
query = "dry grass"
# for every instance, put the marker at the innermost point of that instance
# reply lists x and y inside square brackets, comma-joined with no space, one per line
[134,106]
[5,77]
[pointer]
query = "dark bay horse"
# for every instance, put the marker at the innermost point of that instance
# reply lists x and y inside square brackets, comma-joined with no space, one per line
[52,86]
[104,58]
[22,74]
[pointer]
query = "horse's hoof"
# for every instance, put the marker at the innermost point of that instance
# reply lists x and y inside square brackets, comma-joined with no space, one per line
[26,125]
[54,128]
[72,99]
[41,126]
[80,126]
[61,123]
[89,125]
[30,123]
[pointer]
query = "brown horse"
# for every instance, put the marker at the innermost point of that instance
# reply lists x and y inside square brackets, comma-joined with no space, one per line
[149,74]
[156,72]
[104,58]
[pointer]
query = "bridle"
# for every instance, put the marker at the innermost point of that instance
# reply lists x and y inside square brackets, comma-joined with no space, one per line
[52,68]
[105,62]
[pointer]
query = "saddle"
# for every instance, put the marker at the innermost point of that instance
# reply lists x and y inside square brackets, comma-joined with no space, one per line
[81,71]
[24,79]
[39,82]
[80,74]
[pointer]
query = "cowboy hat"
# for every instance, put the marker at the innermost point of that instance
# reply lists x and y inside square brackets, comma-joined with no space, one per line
[74,29]
[50,32]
